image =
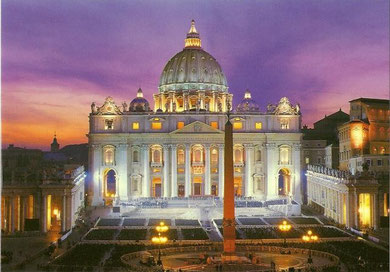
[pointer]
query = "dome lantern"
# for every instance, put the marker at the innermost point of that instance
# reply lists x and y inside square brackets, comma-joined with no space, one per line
[193,38]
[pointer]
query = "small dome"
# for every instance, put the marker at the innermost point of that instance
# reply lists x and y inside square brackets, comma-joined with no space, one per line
[248,104]
[139,104]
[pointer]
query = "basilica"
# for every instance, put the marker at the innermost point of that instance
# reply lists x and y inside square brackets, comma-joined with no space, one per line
[174,149]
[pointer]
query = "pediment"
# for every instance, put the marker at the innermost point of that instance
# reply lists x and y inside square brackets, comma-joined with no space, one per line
[197,127]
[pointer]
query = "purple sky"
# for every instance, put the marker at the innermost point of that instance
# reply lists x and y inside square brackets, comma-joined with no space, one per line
[59,56]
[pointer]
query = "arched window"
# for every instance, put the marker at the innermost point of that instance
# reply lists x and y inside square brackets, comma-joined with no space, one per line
[382,150]
[109,155]
[180,156]
[110,179]
[374,150]
[284,154]
[197,155]
[237,155]
[135,156]
[156,155]
[214,155]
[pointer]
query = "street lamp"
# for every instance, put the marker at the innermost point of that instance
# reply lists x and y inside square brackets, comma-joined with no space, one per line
[309,237]
[160,239]
[284,227]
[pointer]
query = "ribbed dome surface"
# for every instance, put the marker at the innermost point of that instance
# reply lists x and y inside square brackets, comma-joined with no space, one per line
[192,69]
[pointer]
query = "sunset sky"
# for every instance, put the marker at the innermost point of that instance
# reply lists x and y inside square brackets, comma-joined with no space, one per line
[60,56]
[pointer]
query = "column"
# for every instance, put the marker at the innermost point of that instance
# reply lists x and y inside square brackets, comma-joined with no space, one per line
[96,187]
[271,181]
[165,192]
[146,166]
[170,101]
[22,212]
[174,170]
[122,181]
[214,104]
[221,178]
[43,214]
[12,213]
[187,171]
[375,210]
[63,213]
[297,172]
[207,185]
[248,169]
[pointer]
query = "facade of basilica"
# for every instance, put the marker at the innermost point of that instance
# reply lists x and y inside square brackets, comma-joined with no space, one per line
[176,148]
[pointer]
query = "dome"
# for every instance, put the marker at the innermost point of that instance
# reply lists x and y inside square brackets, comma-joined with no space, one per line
[193,68]
[248,104]
[139,103]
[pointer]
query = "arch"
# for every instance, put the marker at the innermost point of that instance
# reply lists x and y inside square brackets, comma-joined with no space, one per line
[382,150]
[284,182]
[110,181]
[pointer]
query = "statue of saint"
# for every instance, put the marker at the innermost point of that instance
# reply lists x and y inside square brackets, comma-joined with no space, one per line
[93,107]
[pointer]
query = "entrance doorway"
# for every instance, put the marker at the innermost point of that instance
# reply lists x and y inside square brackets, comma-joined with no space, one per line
[180,192]
[284,186]
[197,187]
[156,187]
[238,186]
[214,190]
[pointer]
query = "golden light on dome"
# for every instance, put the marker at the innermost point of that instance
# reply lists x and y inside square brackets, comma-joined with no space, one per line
[140,93]
[193,39]
[247,95]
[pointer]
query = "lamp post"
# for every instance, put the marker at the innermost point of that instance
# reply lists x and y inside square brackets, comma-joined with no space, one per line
[309,237]
[284,227]
[160,239]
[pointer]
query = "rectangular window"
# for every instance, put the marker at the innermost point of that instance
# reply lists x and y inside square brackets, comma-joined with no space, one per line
[307,160]
[180,124]
[237,125]
[379,162]
[109,124]
[214,124]
[259,125]
[135,125]
[156,125]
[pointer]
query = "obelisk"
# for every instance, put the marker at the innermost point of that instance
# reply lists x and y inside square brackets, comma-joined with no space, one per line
[229,223]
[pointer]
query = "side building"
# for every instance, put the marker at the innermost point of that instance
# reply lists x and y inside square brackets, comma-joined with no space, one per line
[37,195]
[357,194]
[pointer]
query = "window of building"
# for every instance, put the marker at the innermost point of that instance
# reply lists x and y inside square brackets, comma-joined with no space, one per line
[238,155]
[156,125]
[135,125]
[180,170]
[180,156]
[258,155]
[214,156]
[379,162]
[109,124]
[258,125]
[284,124]
[156,154]
[108,155]
[135,156]
[180,124]
[214,124]
[319,160]
[368,162]
[237,125]
[307,160]
[284,154]
[382,150]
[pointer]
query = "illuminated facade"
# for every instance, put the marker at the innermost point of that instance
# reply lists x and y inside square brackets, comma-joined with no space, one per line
[176,148]
[357,195]
[42,202]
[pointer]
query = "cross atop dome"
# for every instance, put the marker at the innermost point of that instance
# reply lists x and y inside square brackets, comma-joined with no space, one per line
[193,38]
